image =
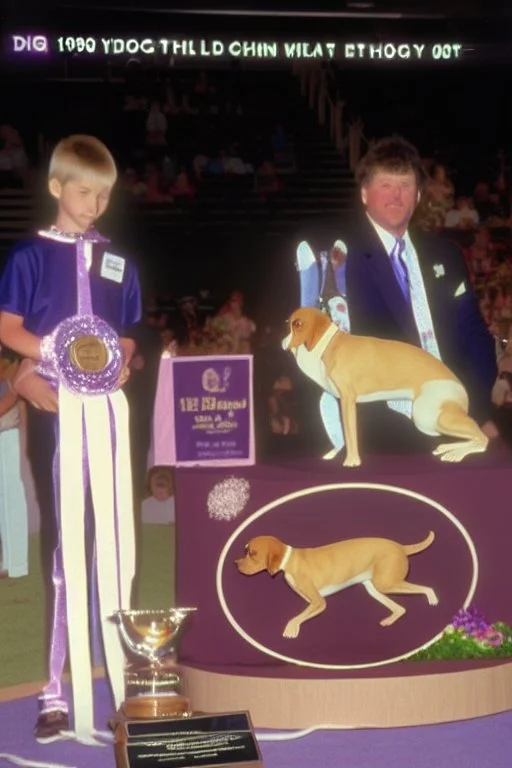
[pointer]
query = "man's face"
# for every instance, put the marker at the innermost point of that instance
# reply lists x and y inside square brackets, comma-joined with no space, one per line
[390,200]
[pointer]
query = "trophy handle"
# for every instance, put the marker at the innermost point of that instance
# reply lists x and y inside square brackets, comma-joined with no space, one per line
[135,648]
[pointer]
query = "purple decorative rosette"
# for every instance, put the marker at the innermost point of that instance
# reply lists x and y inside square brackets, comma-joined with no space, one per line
[58,365]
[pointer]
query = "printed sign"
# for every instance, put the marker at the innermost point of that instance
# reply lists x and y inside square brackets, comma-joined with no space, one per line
[212,410]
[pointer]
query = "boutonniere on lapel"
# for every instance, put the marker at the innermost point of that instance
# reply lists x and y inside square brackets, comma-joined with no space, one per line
[439,270]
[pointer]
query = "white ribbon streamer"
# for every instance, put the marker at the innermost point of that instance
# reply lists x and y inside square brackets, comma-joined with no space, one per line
[110,481]
[72,520]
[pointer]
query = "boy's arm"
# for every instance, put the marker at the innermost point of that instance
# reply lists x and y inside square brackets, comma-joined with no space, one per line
[128,346]
[32,387]
[132,311]
[17,338]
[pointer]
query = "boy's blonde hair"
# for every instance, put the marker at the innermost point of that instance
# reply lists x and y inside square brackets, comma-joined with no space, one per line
[82,157]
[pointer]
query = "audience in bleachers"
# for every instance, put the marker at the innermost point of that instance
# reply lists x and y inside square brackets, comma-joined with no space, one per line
[190,130]
[481,224]
[14,165]
[195,325]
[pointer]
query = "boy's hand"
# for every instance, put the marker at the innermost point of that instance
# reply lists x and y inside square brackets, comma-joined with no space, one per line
[124,375]
[32,387]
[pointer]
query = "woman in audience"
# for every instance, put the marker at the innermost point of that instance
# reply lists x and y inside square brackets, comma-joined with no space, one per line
[480,254]
[268,183]
[13,158]
[156,126]
[463,216]
[238,326]
[488,204]
[436,201]
[182,186]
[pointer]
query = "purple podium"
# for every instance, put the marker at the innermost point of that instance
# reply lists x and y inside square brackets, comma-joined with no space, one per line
[344,668]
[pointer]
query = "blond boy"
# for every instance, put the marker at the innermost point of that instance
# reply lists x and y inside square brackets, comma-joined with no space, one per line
[39,291]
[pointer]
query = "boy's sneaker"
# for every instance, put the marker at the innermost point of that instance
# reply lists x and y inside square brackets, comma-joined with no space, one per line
[50,725]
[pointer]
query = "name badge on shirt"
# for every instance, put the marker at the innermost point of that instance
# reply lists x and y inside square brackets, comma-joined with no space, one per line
[112,267]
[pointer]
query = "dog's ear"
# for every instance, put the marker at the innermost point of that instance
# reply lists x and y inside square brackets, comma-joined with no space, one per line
[274,555]
[317,326]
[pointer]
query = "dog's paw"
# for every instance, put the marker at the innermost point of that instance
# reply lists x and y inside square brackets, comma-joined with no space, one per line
[352,462]
[455,452]
[331,454]
[291,630]
[455,456]
[432,598]
[389,620]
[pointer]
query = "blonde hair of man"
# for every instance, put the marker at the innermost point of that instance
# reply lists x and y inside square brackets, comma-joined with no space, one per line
[81,157]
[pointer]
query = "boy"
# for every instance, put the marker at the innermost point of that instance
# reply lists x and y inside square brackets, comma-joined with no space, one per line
[63,273]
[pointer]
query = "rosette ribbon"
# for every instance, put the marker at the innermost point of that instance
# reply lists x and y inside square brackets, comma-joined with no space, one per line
[93,452]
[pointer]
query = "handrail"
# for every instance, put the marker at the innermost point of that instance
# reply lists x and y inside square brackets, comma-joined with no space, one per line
[320,87]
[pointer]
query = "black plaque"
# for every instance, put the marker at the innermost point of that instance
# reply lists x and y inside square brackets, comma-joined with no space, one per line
[201,741]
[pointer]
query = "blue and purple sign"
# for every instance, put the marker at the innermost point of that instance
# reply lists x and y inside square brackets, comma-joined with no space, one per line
[204,411]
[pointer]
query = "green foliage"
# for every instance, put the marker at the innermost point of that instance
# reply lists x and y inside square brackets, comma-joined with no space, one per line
[458,645]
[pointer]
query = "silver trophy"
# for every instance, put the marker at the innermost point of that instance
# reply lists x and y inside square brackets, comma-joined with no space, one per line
[152,678]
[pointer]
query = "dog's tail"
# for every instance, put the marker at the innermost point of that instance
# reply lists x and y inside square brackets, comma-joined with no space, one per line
[413,549]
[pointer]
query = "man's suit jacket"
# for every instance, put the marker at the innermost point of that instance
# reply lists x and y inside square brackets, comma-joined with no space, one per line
[377,307]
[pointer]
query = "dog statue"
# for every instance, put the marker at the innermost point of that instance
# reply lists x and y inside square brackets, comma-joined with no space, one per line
[314,573]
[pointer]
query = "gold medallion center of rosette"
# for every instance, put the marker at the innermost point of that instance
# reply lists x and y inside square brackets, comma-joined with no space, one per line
[89,354]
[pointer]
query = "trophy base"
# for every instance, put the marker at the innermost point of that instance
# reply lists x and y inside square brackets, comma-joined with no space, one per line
[156,707]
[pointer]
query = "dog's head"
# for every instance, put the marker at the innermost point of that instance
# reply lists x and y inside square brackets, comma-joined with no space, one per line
[263,553]
[307,326]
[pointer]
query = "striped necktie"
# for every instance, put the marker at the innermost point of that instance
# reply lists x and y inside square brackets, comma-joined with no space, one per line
[400,267]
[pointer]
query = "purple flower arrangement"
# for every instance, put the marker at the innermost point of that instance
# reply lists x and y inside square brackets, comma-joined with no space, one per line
[470,636]
[471,623]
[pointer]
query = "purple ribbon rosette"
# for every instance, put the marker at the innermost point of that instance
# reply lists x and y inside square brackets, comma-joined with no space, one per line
[83,353]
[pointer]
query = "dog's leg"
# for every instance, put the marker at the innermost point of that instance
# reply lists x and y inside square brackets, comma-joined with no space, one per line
[397,611]
[330,412]
[317,604]
[349,421]
[454,422]
[406,588]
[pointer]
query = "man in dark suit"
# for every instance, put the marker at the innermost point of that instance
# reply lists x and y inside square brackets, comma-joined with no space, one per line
[383,256]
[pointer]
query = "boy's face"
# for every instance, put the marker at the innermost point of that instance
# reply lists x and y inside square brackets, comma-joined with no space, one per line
[81,203]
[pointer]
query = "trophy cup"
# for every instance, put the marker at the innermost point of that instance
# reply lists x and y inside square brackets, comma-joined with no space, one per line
[152,679]
[155,725]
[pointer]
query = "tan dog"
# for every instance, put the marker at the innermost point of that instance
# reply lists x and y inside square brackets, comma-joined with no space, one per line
[361,369]
[314,573]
